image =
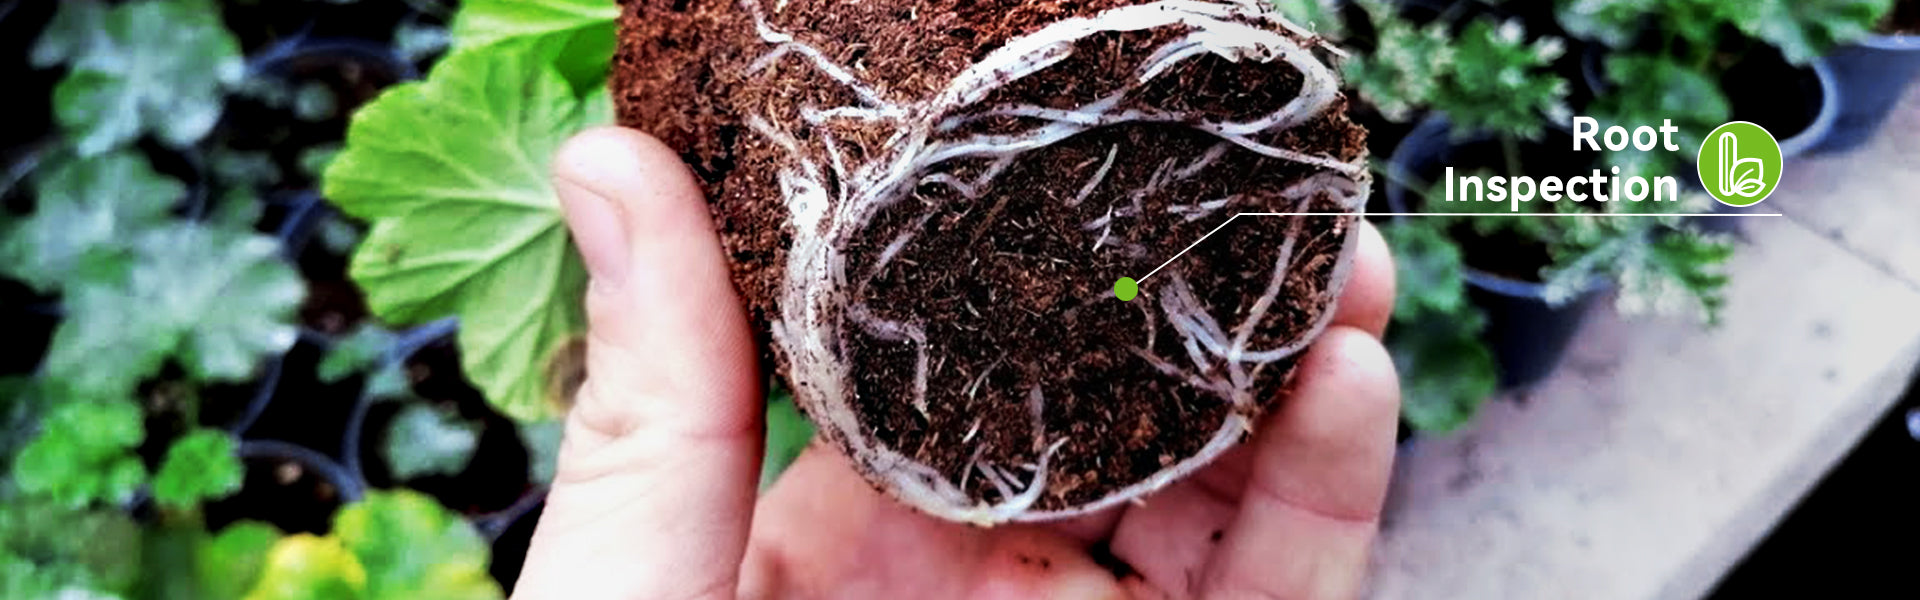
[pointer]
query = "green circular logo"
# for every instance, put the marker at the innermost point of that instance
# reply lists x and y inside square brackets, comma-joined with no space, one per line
[1740,163]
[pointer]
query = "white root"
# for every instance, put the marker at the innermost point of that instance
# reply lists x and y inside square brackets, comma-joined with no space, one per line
[832,205]
[1098,176]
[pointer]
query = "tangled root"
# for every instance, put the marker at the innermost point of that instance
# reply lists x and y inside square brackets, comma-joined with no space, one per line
[833,197]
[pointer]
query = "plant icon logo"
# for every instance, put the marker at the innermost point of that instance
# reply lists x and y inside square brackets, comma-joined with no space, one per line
[1739,163]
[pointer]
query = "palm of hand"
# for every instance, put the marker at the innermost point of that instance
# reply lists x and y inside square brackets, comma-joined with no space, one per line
[655,490]
[1290,514]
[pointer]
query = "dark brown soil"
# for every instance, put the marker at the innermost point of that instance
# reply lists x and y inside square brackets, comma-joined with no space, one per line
[1014,285]
[1904,19]
[1773,93]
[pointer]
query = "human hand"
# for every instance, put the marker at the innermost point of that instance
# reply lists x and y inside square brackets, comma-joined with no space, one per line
[655,495]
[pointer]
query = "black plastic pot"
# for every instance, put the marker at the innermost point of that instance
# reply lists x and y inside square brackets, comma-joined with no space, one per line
[352,448]
[496,480]
[1870,77]
[265,117]
[511,534]
[1527,334]
[1814,85]
[297,56]
[288,485]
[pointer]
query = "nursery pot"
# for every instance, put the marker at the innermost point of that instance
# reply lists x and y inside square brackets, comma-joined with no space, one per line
[1527,334]
[511,532]
[1797,104]
[494,478]
[1869,76]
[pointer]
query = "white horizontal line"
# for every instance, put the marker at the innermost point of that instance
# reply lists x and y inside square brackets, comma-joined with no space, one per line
[1502,214]
[1223,224]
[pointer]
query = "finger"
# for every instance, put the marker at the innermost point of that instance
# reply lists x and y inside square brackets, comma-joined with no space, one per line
[657,474]
[1367,302]
[1319,477]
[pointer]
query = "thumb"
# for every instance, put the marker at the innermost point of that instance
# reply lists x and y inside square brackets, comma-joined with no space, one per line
[656,480]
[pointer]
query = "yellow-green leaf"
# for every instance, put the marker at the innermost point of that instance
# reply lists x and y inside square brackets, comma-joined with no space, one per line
[414,549]
[307,567]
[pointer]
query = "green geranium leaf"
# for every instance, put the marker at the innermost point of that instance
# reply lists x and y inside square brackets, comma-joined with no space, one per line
[75,30]
[159,67]
[22,579]
[219,300]
[1611,22]
[20,408]
[788,432]
[1806,29]
[425,440]
[414,549]
[86,211]
[230,563]
[1431,271]
[357,351]
[84,454]
[418,42]
[314,160]
[575,36]
[243,168]
[199,466]
[67,547]
[542,439]
[185,562]
[453,175]
[308,567]
[1446,373]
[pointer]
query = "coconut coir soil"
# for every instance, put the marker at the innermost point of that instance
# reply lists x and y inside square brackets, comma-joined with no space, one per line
[1014,286]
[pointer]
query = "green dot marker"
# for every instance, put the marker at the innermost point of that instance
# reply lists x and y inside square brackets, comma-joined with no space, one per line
[1125,289]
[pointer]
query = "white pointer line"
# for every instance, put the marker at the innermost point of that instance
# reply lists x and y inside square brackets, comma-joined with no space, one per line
[1223,224]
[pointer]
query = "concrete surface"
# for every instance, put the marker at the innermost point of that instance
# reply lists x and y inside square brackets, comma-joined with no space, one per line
[1659,453]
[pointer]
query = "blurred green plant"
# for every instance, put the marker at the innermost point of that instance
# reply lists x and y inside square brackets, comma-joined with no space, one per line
[788,433]
[1434,338]
[1694,30]
[142,291]
[1322,17]
[1495,81]
[198,466]
[393,545]
[83,455]
[1487,77]
[1807,29]
[164,291]
[426,439]
[1407,66]
[149,66]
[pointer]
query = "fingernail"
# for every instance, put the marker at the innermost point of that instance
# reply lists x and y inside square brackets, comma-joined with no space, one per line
[599,233]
